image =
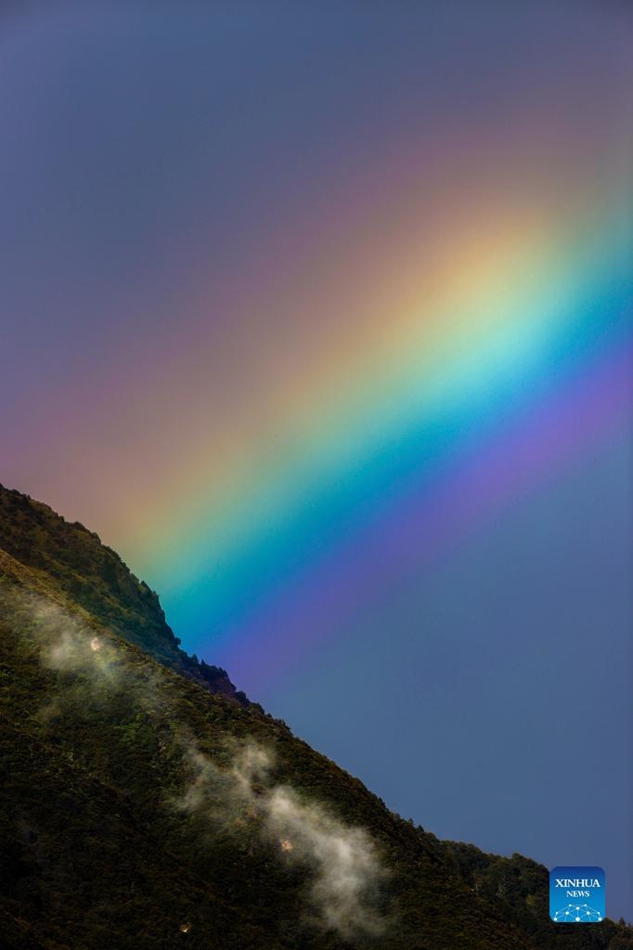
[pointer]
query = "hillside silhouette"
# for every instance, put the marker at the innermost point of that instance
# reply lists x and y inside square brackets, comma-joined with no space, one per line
[147,803]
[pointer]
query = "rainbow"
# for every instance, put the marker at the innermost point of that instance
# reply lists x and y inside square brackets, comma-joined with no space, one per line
[377,460]
[422,338]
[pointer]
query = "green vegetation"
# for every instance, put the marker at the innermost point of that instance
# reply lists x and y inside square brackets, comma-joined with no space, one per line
[123,816]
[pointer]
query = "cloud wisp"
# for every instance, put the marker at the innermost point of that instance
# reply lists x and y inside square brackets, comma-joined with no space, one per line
[344,865]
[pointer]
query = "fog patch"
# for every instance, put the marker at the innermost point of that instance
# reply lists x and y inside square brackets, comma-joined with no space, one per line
[345,868]
[68,645]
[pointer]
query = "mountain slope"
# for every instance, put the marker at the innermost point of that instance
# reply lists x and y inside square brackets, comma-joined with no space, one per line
[141,809]
[93,576]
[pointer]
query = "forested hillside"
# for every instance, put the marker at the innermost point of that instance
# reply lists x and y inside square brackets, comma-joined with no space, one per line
[141,809]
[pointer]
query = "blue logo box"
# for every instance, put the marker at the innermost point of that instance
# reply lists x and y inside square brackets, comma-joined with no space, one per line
[576,895]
